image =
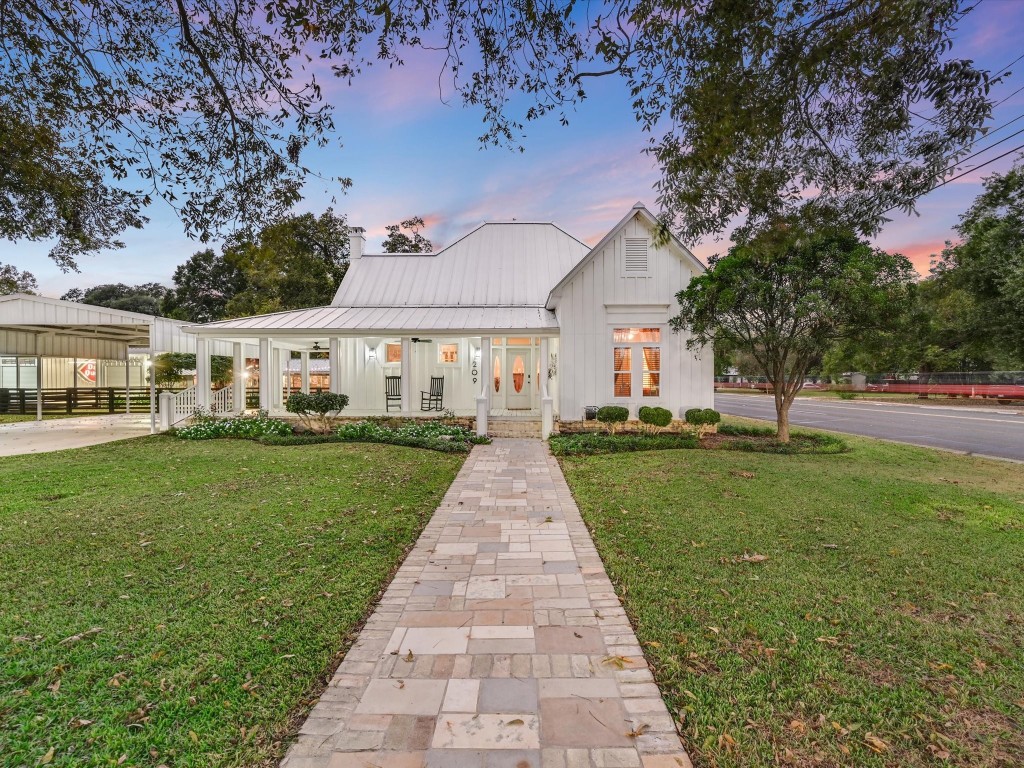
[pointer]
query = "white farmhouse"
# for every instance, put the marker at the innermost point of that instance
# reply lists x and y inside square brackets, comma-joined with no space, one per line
[515,320]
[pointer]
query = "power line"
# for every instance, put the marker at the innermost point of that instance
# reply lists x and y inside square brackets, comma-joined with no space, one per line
[961,175]
[1008,97]
[983,150]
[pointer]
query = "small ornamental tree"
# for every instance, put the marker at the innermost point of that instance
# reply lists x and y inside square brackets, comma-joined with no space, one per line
[318,406]
[655,419]
[787,295]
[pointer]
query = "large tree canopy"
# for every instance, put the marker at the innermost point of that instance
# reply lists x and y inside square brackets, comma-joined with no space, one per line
[754,108]
[145,298]
[203,286]
[295,263]
[988,262]
[14,281]
[412,240]
[788,295]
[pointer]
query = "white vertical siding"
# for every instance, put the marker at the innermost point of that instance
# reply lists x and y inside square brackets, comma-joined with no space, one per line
[598,298]
[363,378]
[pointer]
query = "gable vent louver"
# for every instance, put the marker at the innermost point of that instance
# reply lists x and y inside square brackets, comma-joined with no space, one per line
[636,255]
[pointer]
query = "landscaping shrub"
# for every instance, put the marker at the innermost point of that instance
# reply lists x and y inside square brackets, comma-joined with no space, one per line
[432,434]
[701,416]
[246,426]
[610,415]
[318,405]
[844,395]
[589,443]
[654,416]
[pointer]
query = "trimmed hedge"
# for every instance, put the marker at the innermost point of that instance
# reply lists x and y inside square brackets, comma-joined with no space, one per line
[612,414]
[701,416]
[442,446]
[590,443]
[799,442]
[656,417]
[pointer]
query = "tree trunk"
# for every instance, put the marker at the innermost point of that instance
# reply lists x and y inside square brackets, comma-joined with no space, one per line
[782,404]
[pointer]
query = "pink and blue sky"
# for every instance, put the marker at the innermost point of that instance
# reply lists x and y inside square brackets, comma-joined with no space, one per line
[409,153]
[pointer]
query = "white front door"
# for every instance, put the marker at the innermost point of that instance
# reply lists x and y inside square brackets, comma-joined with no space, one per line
[519,389]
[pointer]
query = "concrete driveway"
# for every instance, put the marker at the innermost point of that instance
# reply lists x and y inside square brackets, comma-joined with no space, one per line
[60,434]
[982,432]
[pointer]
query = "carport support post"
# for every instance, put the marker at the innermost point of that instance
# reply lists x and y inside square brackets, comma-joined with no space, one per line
[335,355]
[151,367]
[127,383]
[406,372]
[39,387]
[303,372]
[265,375]
[238,377]
[203,384]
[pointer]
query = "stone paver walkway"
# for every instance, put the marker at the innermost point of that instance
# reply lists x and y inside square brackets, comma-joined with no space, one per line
[499,644]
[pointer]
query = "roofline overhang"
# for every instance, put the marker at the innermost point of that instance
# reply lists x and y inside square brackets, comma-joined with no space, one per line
[361,333]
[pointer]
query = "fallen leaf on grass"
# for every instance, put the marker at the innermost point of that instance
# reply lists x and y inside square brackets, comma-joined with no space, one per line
[751,558]
[79,722]
[48,757]
[875,744]
[798,726]
[81,636]
[827,640]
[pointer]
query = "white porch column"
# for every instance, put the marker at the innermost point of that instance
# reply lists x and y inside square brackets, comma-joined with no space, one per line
[265,375]
[406,373]
[276,379]
[304,372]
[238,377]
[483,400]
[127,383]
[547,409]
[335,354]
[203,380]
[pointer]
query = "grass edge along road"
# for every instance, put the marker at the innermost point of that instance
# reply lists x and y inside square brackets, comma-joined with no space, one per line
[180,603]
[865,608]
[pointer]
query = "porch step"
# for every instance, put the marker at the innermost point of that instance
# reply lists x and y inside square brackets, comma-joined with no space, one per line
[513,427]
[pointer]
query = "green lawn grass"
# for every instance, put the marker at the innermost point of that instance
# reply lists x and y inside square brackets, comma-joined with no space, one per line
[166,602]
[885,627]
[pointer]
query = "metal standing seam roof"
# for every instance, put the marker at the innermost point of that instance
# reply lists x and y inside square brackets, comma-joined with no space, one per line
[496,278]
[497,264]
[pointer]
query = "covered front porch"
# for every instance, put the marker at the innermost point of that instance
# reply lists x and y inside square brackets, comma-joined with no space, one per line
[489,376]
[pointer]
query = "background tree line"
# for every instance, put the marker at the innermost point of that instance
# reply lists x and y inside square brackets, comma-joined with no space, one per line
[295,263]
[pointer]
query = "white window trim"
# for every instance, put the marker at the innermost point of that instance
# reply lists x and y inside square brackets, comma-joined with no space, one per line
[384,357]
[458,354]
[636,375]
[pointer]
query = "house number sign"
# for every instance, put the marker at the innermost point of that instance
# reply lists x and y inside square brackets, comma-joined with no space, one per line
[475,368]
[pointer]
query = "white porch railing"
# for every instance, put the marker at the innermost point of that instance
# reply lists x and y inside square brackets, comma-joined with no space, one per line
[184,405]
[222,400]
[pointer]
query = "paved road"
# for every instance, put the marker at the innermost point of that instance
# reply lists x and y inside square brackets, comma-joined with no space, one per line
[987,433]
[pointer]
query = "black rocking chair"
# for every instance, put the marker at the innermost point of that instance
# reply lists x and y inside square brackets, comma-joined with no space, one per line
[392,392]
[434,399]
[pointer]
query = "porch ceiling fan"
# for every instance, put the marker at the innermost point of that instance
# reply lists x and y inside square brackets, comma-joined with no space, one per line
[317,347]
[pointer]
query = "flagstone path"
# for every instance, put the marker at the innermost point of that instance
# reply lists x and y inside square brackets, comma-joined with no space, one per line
[499,644]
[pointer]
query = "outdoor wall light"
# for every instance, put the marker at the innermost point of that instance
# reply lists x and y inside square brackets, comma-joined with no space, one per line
[371,354]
